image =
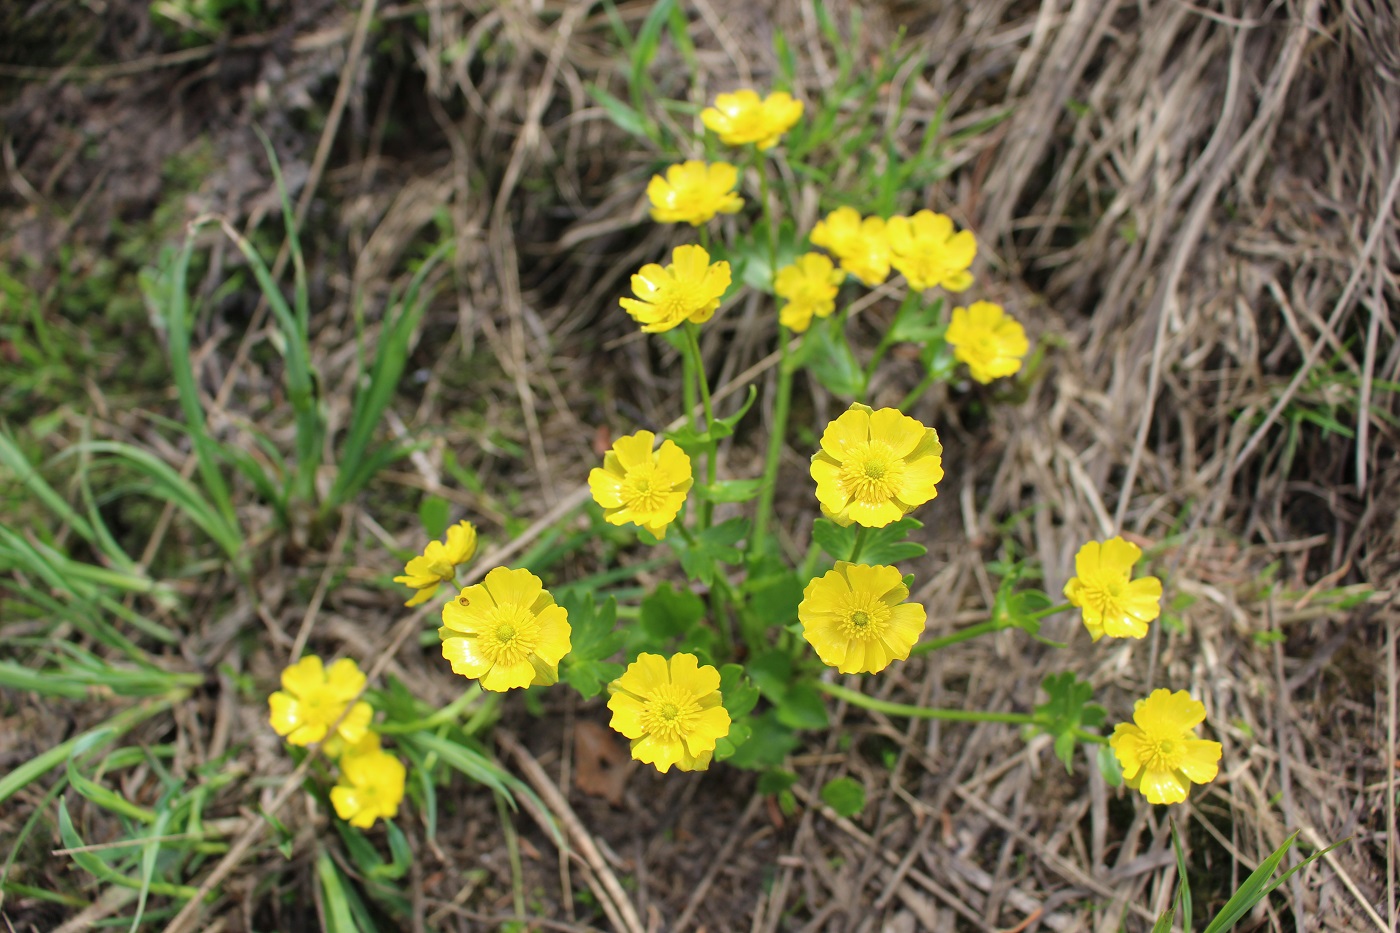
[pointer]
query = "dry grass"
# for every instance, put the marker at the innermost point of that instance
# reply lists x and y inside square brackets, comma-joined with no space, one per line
[1201,202]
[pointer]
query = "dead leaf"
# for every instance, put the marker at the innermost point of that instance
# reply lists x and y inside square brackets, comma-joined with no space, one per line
[601,766]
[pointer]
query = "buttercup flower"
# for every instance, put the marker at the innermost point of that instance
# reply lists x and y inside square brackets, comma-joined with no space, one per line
[742,117]
[312,699]
[1159,752]
[859,245]
[1112,603]
[670,710]
[809,287]
[505,631]
[986,338]
[688,289]
[371,784]
[437,562]
[928,252]
[856,617]
[694,192]
[639,485]
[875,467]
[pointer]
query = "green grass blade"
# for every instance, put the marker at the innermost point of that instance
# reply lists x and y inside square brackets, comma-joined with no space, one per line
[149,852]
[36,767]
[1251,892]
[295,351]
[177,329]
[13,458]
[338,916]
[1183,894]
[372,398]
[168,484]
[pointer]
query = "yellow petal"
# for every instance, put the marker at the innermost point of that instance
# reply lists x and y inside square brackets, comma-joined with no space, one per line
[422,596]
[634,450]
[849,430]
[345,679]
[355,725]
[284,713]
[554,634]
[1163,787]
[907,623]
[503,677]
[346,801]
[644,675]
[1200,760]
[465,657]
[513,587]
[304,677]
[628,715]
[1086,560]
[662,753]
[688,674]
[605,487]
[1119,555]
[920,480]
[896,430]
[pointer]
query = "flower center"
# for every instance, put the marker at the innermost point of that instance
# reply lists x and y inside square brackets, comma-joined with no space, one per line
[1105,593]
[1158,754]
[872,473]
[676,301]
[511,636]
[645,489]
[866,620]
[670,712]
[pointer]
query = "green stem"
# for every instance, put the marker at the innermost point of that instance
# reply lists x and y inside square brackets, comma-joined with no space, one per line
[856,698]
[917,392]
[688,386]
[886,341]
[972,631]
[1036,616]
[692,335]
[1092,737]
[859,544]
[777,437]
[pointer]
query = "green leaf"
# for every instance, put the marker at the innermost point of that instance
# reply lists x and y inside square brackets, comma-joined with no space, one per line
[667,613]
[836,541]
[433,513]
[771,591]
[750,255]
[768,744]
[1067,709]
[730,490]
[621,114]
[844,795]
[803,707]
[888,545]
[738,693]
[775,781]
[919,324]
[693,442]
[1109,767]
[938,359]
[727,747]
[1183,891]
[832,362]
[771,673]
[593,638]
[712,547]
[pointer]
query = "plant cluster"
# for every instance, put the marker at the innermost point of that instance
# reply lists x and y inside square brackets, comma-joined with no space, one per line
[719,671]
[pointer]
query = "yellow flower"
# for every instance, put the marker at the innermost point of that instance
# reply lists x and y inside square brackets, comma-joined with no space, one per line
[694,192]
[312,699]
[1112,603]
[928,252]
[1159,752]
[856,617]
[639,485]
[875,467]
[670,710]
[437,562]
[809,286]
[986,338]
[861,246]
[371,784]
[742,117]
[505,631]
[688,289]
